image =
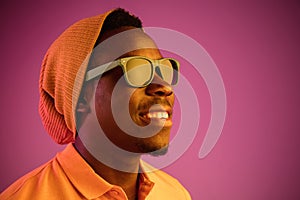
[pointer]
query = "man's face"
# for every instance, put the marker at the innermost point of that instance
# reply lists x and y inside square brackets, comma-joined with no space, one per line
[158,96]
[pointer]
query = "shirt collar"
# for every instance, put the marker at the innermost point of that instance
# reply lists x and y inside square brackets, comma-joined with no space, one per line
[145,186]
[90,184]
[82,176]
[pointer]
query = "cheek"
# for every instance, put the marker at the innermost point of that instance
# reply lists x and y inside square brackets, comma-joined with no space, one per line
[104,90]
[102,94]
[136,98]
[120,99]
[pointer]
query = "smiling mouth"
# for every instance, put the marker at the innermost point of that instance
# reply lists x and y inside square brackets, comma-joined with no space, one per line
[157,115]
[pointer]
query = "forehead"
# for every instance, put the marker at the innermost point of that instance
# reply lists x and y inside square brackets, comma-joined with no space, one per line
[126,43]
[152,53]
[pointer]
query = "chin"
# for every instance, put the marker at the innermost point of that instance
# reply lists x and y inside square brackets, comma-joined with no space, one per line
[156,146]
[160,152]
[153,150]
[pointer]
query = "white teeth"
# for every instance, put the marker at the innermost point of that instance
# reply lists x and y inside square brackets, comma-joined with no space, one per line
[158,115]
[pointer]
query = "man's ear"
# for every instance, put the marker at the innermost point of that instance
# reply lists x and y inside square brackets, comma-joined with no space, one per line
[83,106]
[84,101]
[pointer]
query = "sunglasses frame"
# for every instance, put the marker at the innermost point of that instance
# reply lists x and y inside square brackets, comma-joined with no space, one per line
[101,69]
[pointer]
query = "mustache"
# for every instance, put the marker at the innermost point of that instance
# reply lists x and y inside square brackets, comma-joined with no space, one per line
[146,104]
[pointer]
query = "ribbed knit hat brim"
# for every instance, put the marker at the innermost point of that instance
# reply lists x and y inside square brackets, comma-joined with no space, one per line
[65,61]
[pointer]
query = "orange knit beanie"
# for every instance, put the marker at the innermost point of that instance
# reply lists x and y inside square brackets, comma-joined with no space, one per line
[65,61]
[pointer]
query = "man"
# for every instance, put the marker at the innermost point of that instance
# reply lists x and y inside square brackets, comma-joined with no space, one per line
[106,90]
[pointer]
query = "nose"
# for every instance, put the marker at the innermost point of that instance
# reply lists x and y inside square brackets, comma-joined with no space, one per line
[159,88]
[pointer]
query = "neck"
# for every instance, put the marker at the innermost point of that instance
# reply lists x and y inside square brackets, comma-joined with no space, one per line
[127,179]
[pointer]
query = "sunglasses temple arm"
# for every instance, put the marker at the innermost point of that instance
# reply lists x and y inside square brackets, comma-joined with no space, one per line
[93,73]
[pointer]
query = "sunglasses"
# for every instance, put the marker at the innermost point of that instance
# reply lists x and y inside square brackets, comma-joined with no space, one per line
[139,71]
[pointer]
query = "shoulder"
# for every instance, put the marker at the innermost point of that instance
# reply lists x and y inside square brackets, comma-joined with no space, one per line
[36,183]
[165,186]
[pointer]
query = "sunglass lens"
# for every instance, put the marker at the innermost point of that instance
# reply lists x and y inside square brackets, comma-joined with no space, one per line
[167,71]
[139,71]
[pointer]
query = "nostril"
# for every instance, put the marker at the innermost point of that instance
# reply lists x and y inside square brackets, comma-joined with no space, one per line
[159,93]
[158,90]
[164,93]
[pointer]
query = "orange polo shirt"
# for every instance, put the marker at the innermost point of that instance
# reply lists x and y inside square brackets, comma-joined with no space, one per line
[68,176]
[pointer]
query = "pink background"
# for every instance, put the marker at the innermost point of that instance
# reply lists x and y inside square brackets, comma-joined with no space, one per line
[256,47]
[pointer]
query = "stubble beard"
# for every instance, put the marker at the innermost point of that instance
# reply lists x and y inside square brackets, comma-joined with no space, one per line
[153,151]
[154,147]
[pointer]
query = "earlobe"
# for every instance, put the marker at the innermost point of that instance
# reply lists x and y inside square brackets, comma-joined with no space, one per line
[83,107]
[82,110]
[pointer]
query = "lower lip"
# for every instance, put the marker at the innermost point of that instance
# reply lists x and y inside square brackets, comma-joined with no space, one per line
[156,122]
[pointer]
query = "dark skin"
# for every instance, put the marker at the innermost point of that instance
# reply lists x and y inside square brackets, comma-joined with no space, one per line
[98,97]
